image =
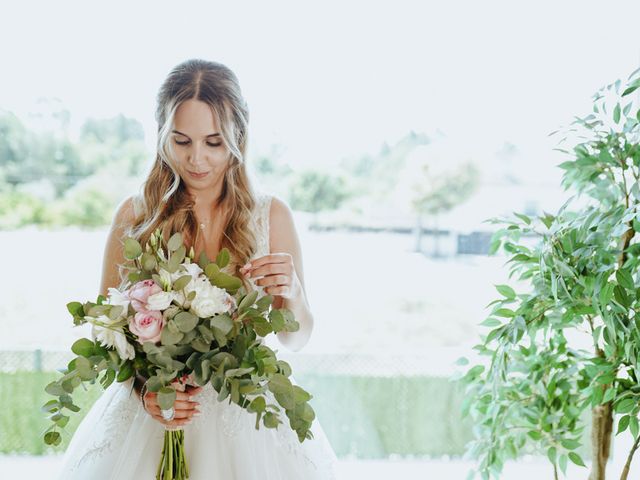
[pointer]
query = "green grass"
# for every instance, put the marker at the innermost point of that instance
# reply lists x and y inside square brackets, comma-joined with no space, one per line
[363,416]
[22,423]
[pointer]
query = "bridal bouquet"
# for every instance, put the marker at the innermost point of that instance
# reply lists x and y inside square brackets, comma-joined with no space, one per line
[178,320]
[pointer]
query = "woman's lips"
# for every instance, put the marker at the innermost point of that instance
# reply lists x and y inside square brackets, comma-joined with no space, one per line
[197,175]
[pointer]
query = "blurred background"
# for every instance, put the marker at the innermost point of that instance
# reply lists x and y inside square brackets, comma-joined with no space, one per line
[392,129]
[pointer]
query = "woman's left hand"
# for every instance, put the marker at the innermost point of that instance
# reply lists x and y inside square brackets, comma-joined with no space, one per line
[278,274]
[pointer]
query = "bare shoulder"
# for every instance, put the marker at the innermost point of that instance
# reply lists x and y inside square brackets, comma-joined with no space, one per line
[113,253]
[125,213]
[281,223]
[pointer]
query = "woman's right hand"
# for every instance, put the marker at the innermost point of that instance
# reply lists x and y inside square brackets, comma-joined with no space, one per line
[185,409]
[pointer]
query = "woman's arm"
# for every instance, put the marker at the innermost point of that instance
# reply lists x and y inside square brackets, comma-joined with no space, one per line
[113,252]
[283,237]
[113,255]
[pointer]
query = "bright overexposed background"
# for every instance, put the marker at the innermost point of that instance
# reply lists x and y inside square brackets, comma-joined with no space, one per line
[329,85]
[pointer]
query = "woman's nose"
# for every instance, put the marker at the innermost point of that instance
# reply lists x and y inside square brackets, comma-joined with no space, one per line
[196,155]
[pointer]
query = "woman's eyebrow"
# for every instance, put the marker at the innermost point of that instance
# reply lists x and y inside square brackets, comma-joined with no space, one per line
[210,135]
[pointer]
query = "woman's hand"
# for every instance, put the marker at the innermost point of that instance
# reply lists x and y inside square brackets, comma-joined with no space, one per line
[185,409]
[278,274]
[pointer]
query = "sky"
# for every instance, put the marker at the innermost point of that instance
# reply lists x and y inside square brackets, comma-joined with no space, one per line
[329,80]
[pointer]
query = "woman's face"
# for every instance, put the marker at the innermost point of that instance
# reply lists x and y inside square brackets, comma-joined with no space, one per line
[198,145]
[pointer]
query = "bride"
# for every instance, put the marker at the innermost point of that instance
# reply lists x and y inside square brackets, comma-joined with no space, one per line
[198,185]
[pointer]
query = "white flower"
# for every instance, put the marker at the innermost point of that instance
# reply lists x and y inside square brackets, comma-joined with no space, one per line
[165,278]
[116,297]
[110,336]
[209,300]
[192,269]
[160,300]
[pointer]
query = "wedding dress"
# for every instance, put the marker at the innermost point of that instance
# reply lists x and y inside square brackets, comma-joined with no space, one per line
[119,440]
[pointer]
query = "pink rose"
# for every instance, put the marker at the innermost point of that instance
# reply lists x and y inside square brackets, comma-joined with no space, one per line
[140,292]
[147,325]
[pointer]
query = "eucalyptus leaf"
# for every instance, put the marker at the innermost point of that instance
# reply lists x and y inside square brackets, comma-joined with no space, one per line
[166,397]
[132,248]
[175,241]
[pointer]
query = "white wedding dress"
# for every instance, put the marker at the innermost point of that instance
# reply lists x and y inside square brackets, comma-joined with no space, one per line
[118,440]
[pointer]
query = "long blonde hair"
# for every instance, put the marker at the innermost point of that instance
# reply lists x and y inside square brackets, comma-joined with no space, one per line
[164,202]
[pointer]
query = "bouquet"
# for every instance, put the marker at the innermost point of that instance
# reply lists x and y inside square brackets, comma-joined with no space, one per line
[177,320]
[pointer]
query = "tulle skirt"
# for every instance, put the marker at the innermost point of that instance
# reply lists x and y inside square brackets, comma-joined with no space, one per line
[118,440]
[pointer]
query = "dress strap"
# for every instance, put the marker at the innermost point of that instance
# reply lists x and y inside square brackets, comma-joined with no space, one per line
[261,217]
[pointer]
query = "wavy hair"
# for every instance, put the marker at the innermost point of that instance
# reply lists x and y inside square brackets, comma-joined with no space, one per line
[165,202]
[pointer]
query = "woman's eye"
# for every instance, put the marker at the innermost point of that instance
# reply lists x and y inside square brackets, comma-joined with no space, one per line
[210,144]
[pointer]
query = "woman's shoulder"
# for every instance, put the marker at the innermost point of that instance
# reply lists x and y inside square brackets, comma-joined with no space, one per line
[271,207]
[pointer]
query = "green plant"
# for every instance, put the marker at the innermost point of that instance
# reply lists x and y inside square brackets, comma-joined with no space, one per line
[540,378]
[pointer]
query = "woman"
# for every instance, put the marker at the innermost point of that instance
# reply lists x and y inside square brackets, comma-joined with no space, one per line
[199,186]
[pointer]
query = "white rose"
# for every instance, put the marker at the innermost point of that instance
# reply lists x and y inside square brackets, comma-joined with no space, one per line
[160,300]
[209,300]
[110,336]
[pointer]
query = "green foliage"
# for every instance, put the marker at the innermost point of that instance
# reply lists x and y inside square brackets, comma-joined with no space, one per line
[38,170]
[18,209]
[438,193]
[531,393]
[314,191]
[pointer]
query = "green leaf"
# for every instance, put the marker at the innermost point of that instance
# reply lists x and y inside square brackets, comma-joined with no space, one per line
[258,404]
[625,279]
[505,312]
[625,405]
[52,438]
[263,302]
[154,383]
[575,458]
[616,113]
[506,291]
[84,369]
[609,395]
[211,269]
[633,426]
[132,248]
[223,322]
[570,444]
[83,347]
[228,282]
[75,309]
[522,217]
[126,371]
[222,260]
[270,420]
[149,261]
[166,397]
[181,282]
[185,321]
[174,242]
[167,337]
[261,326]
[491,322]
[633,86]
[248,300]
[203,260]
[277,320]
